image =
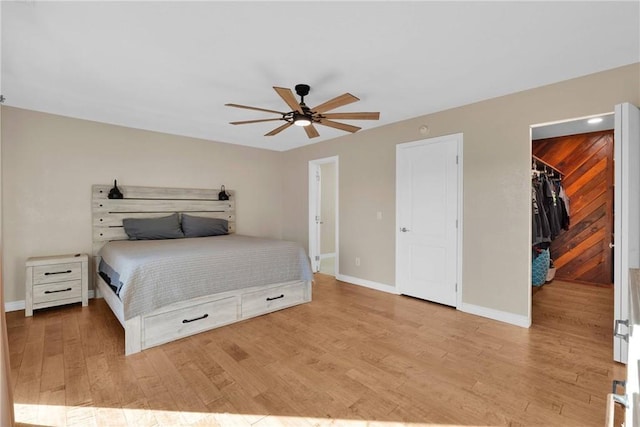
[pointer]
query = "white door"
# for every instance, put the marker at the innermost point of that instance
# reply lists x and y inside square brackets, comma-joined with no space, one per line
[315,212]
[626,214]
[317,250]
[427,219]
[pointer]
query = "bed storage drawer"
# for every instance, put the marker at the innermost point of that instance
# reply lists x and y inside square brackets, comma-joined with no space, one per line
[56,273]
[267,300]
[172,325]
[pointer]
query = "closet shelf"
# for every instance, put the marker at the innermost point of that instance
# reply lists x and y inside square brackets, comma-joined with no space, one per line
[538,161]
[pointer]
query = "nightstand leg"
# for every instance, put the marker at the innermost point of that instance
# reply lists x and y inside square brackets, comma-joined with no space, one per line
[85,283]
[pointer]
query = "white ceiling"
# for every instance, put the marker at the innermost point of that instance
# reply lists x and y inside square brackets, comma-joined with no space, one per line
[573,127]
[171,66]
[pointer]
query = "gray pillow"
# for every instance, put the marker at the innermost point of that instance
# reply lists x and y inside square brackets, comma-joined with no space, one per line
[166,227]
[197,226]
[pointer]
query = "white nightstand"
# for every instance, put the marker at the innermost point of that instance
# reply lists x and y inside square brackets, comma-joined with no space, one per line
[56,280]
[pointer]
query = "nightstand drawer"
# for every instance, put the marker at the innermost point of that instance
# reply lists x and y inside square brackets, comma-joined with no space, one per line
[57,273]
[57,291]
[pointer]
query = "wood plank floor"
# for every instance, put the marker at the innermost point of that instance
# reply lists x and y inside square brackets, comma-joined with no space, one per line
[352,356]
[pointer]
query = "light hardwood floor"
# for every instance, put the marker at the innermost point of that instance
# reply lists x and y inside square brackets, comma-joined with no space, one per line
[350,356]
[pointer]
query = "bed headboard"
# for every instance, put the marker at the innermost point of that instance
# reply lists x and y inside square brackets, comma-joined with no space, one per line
[147,202]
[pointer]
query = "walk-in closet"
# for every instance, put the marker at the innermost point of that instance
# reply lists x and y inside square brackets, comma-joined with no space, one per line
[574,176]
[572,184]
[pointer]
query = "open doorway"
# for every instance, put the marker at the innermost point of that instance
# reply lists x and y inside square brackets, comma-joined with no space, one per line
[323,215]
[623,242]
[576,158]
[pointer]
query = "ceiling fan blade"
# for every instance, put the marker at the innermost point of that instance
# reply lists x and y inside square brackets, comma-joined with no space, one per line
[353,116]
[244,122]
[341,126]
[279,129]
[311,130]
[287,95]
[254,108]
[336,102]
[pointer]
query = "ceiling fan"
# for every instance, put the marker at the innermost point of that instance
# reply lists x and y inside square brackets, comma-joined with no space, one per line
[301,115]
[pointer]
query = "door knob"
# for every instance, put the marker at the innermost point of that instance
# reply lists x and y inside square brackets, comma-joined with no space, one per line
[611,245]
[404,229]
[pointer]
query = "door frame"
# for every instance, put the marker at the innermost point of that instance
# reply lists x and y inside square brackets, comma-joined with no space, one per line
[459,137]
[531,127]
[626,226]
[314,165]
[620,228]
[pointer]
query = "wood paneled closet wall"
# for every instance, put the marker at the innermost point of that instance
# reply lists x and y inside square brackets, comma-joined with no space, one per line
[583,254]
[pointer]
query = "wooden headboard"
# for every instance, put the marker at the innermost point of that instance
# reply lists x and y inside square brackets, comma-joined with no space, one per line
[148,202]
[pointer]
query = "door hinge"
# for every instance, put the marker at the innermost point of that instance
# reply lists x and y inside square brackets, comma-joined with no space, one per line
[317,257]
[456,223]
[456,287]
[456,159]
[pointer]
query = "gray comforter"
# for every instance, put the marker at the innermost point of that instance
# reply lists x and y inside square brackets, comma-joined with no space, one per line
[155,273]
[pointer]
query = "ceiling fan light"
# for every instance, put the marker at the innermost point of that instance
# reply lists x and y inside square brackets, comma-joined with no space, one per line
[301,121]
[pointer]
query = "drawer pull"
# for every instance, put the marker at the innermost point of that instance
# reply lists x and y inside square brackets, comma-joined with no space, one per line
[616,383]
[616,329]
[59,290]
[57,272]
[278,297]
[196,318]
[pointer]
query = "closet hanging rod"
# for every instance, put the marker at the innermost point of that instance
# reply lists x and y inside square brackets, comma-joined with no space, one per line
[538,160]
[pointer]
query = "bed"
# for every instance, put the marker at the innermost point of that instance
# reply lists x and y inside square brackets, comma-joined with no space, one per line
[163,290]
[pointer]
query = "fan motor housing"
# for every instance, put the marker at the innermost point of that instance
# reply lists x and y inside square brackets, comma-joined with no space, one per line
[302,89]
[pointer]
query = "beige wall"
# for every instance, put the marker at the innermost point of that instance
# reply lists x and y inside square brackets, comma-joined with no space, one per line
[327,208]
[497,150]
[50,162]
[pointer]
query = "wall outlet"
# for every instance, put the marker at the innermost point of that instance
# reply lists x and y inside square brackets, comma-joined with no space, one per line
[357,261]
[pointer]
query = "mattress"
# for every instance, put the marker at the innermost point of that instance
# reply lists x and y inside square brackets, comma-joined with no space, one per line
[149,274]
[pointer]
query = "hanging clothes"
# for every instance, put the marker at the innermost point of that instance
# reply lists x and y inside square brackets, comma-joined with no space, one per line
[540,232]
[550,205]
[564,205]
[550,215]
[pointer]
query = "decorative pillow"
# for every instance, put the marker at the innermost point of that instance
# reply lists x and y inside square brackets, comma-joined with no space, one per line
[197,226]
[166,227]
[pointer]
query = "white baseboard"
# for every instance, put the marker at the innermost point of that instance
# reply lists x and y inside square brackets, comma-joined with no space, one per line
[13,306]
[502,316]
[19,305]
[367,284]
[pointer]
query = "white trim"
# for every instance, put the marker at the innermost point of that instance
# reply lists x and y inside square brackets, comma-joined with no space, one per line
[313,197]
[460,216]
[313,164]
[13,306]
[19,305]
[368,284]
[502,316]
[530,232]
